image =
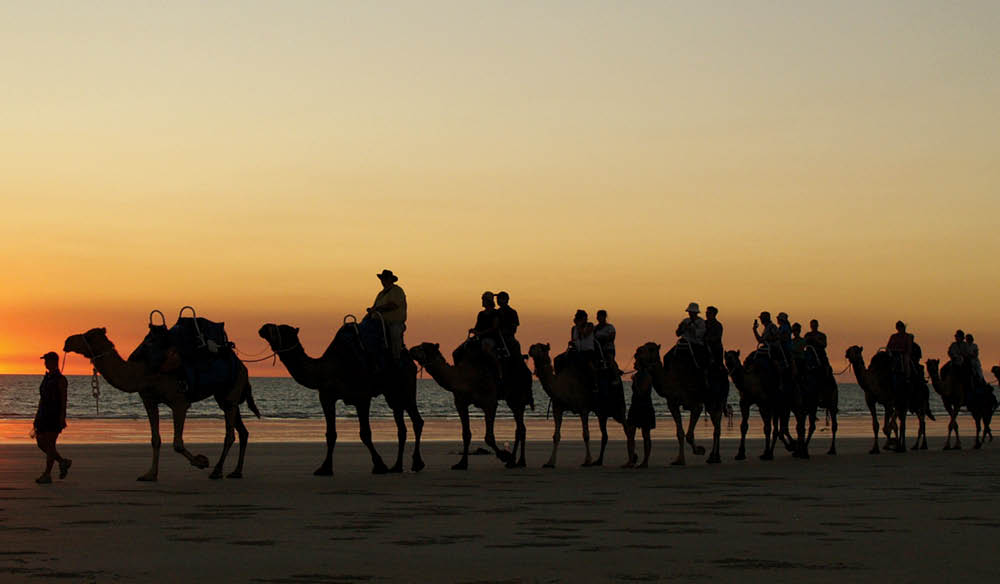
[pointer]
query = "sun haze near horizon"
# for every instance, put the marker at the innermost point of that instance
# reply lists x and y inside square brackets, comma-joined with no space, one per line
[263,161]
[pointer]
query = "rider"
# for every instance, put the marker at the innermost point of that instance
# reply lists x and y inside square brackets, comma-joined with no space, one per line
[977,365]
[507,324]
[713,335]
[769,351]
[487,328]
[960,354]
[817,340]
[390,302]
[691,332]
[604,334]
[900,346]
[785,335]
[582,346]
[798,347]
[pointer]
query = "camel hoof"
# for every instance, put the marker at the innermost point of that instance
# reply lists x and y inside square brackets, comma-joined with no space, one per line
[380,469]
[464,465]
[978,445]
[804,455]
[956,447]
[874,450]
[923,446]
[396,468]
[323,471]
[200,461]
[505,455]
[642,465]
[714,459]
[698,450]
[597,463]
[741,456]
[147,478]
[947,447]
[216,474]
[677,462]
[767,456]
[628,465]
[418,465]
[587,464]
[831,452]
[548,465]
[235,475]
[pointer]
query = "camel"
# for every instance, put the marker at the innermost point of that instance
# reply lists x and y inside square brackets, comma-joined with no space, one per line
[877,383]
[155,389]
[682,385]
[339,374]
[755,389]
[816,387]
[956,392]
[571,392]
[470,385]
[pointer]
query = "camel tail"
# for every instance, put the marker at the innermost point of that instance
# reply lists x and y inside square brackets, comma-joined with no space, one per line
[250,403]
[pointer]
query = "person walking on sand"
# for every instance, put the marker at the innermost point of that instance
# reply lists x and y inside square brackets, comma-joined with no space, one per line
[390,302]
[51,418]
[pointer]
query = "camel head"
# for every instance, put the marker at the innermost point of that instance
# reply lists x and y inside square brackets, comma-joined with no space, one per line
[996,371]
[426,353]
[932,366]
[854,355]
[539,352]
[279,336]
[646,355]
[732,360]
[89,344]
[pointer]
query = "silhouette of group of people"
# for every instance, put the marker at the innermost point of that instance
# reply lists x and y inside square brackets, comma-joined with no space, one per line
[591,348]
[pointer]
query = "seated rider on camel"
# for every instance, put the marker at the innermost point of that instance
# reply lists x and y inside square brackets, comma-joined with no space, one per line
[900,347]
[582,350]
[507,323]
[487,329]
[769,351]
[691,337]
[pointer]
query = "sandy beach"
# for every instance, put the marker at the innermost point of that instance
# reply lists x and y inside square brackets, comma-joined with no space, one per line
[922,516]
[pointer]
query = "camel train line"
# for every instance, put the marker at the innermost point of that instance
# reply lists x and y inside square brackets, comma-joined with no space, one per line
[179,367]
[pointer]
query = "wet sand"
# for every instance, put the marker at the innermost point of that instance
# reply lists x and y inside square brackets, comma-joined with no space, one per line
[916,517]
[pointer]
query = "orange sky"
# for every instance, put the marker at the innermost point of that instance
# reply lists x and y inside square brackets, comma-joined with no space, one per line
[263,162]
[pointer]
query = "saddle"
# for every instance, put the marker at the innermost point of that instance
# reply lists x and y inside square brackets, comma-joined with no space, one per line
[195,349]
[368,341]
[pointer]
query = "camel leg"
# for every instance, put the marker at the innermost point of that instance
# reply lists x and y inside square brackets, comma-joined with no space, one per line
[228,442]
[463,415]
[418,427]
[800,436]
[714,457]
[397,416]
[244,435]
[556,436]
[741,454]
[887,426]
[833,429]
[585,428]
[329,403]
[522,429]
[675,412]
[602,422]
[921,431]
[901,430]
[490,415]
[954,421]
[692,422]
[153,413]
[179,415]
[978,422]
[519,436]
[767,418]
[378,467]
[875,428]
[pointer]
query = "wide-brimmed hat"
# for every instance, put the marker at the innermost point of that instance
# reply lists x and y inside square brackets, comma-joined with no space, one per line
[387,274]
[693,307]
[50,355]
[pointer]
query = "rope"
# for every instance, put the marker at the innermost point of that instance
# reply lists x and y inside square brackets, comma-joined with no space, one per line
[844,370]
[95,390]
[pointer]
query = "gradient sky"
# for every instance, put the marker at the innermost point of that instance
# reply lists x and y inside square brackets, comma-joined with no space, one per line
[263,160]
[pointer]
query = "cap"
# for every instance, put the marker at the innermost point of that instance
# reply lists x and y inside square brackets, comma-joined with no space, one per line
[50,355]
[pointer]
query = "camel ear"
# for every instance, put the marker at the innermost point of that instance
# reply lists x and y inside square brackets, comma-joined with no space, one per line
[861,348]
[103,330]
[437,346]
[737,352]
[547,347]
[296,330]
[657,346]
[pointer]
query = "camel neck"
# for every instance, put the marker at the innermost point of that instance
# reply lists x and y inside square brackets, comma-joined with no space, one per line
[545,374]
[305,370]
[118,372]
[860,373]
[443,373]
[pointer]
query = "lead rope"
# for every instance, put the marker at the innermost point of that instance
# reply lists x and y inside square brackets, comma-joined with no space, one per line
[95,390]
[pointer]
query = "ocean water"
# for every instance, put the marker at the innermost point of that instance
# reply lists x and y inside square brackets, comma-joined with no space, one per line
[284,398]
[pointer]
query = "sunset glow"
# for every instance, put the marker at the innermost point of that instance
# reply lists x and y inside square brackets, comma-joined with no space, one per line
[262,162]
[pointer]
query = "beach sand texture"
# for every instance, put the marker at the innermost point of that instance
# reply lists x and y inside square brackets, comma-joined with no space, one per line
[915,517]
